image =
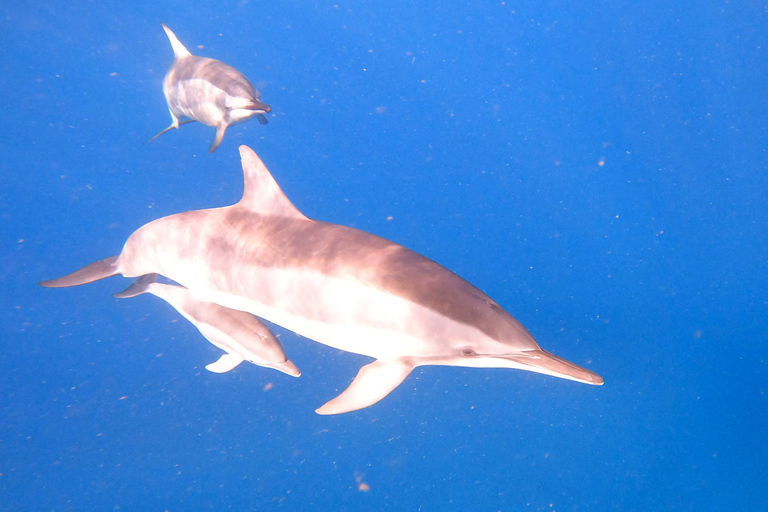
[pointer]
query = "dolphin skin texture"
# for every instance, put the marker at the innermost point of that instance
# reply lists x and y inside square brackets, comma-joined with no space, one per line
[241,335]
[208,91]
[333,284]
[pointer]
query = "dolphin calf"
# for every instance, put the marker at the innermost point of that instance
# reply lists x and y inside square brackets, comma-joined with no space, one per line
[208,91]
[336,285]
[240,335]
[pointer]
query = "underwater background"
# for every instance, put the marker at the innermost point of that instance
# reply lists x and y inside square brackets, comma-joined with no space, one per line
[599,170]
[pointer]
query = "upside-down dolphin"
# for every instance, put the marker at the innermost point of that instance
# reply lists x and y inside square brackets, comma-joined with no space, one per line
[242,336]
[336,285]
[209,91]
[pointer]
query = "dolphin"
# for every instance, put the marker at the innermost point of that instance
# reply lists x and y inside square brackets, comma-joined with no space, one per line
[337,285]
[240,335]
[208,91]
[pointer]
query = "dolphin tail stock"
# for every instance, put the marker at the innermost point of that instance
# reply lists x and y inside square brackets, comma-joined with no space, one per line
[220,131]
[88,274]
[137,288]
[373,382]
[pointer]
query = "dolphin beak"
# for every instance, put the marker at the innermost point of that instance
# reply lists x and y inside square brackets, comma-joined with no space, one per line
[541,361]
[259,107]
[286,367]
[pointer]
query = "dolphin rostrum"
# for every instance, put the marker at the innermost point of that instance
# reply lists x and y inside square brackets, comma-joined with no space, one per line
[209,91]
[241,335]
[337,285]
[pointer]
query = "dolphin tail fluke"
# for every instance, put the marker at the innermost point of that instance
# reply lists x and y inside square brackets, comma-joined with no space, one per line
[220,131]
[179,50]
[541,361]
[374,381]
[225,363]
[88,274]
[140,286]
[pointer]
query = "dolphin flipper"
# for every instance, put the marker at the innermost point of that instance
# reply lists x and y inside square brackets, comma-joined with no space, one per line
[225,363]
[374,381]
[174,124]
[262,119]
[88,274]
[220,131]
[140,286]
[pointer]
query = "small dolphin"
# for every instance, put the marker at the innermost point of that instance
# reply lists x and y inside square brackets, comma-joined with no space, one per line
[208,91]
[241,335]
[336,285]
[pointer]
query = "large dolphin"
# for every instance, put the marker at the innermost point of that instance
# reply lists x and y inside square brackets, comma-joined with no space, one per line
[242,336]
[208,91]
[339,286]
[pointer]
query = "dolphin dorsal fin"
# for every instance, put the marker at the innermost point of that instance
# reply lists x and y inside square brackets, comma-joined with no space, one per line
[179,50]
[261,193]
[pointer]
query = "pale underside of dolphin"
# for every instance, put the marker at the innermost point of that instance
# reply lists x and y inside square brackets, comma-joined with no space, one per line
[336,285]
[242,336]
[209,91]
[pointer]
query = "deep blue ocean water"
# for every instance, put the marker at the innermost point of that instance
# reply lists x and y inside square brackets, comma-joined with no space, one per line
[599,170]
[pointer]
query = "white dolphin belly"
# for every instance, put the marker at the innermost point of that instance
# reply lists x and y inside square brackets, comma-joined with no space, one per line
[340,313]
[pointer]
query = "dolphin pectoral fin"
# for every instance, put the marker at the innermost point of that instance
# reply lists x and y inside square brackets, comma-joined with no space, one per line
[162,132]
[175,123]
[262,119]
[140,286]
[374,381]
[220,131]
[88,274]
[225,363]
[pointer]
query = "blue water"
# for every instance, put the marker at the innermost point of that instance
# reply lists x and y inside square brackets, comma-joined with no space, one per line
[599,170]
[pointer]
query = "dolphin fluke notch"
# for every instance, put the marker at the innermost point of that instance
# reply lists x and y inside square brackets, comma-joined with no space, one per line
[88,274]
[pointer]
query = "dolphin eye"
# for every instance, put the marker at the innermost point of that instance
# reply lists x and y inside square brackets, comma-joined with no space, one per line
[468,352]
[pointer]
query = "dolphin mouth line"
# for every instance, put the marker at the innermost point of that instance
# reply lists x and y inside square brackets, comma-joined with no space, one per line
[259,108]
[511,356]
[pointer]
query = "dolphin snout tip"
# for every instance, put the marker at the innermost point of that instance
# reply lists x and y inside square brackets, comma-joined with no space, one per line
[259,107]
[288,368]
